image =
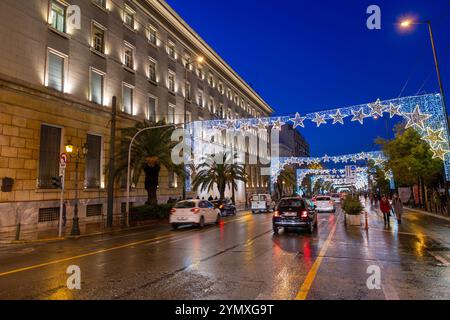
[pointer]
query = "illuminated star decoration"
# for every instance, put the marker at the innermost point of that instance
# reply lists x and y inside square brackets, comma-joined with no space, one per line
[338,117]
[277,124]
[319,119]
[434,136]
[394,110]
[439,153]
[298,120]
[230,125]
[326,158]
[376,108]
[262,125]
[359,115]
[378,161]
[245,126]
[416,118]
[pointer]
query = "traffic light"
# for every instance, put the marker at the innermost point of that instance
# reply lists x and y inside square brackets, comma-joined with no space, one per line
[56,181]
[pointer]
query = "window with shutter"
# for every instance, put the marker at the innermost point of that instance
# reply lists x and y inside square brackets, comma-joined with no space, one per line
[50,147]
[55,73]
[93,161]
[96,87]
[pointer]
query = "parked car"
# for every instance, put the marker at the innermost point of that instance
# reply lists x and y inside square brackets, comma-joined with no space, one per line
[336,197]
[194,212]
[294,212]
[226,207]
[324,204]
[262,203]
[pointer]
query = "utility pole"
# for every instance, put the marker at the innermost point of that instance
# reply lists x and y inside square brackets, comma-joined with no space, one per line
[111,165]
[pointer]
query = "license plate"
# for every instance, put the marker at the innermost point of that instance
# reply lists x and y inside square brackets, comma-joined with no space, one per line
[290,214]
[181,218]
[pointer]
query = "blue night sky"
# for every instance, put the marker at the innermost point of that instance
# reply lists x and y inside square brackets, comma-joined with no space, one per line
[305,56]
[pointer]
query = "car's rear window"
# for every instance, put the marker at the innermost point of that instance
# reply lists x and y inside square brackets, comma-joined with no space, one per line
[185,204]
[291,203]
[323,199]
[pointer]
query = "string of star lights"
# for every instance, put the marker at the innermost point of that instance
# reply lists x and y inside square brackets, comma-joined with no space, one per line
[424,113]
[336,176]
[277,166]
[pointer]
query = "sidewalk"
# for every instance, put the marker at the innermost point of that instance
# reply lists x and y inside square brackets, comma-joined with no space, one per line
[86,230]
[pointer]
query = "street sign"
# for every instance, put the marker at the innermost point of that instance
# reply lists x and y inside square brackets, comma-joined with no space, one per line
[63,158]
[350,174]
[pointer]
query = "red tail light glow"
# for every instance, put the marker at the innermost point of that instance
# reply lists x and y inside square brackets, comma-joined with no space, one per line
[304,214]
[276,213]
[221,206]
[331,202]
[195,210]
[173,210]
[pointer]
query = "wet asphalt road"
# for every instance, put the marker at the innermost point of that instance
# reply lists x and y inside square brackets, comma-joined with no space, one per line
[239,259]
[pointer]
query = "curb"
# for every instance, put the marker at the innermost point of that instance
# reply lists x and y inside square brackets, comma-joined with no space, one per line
[428,213]
[55,239]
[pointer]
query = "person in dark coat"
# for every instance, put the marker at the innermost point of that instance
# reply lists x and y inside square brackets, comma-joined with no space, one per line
[385,208]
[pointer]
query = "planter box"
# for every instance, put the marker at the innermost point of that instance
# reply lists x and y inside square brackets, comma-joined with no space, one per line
[353,220]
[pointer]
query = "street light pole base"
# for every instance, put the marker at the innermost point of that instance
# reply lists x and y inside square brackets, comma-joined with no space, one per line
[75,228]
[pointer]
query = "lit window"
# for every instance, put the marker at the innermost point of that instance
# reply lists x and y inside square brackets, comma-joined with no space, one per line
[58,16]
[171,113]
[171,49]
[188,91]
[152,105]
[172,179]
[211,104]
[98,38]
[128,17]
[200,98]
[171,81]
[101,3]
[211,80]
[187,61]
[220,87]
[56,66]
[152,70]
[229,95]
[93,161]
[152,35]
[128,56]
[96,86]
[200,73]
[127,98]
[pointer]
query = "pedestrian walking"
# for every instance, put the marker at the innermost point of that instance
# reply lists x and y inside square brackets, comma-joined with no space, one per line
[385,208]
[397,205]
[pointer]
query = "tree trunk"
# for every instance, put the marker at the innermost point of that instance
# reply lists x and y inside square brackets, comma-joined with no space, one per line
[232,194]
[151,183]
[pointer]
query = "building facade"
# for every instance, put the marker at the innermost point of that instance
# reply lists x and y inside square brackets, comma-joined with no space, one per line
[292,143]
[59,71]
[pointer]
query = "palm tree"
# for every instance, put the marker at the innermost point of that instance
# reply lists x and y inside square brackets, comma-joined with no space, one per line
[151,150]
[222,173]
[286,179]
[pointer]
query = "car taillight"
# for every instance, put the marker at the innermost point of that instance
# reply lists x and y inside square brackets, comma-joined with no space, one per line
[195,210]
[331,202]
[304,214]
[173,210]
[276,213]
[221,206]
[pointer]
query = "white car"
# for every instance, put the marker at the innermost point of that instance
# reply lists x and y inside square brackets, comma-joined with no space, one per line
[194,212]
[336,197]
[262,203]
[324,204]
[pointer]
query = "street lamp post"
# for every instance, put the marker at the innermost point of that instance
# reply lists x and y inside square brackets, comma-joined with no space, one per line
[407,23]
[187,65]
[78,157]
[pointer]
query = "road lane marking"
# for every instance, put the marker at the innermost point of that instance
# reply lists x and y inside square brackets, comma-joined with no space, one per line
[439,258]
[307,283]
[163,237]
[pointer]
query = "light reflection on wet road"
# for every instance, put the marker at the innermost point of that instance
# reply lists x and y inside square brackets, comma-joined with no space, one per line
[239,259]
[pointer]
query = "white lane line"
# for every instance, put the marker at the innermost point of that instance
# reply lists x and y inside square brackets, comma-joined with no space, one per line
[440,258]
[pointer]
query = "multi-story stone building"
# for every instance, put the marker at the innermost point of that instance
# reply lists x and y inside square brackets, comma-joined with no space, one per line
[292,143]
[60,68]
